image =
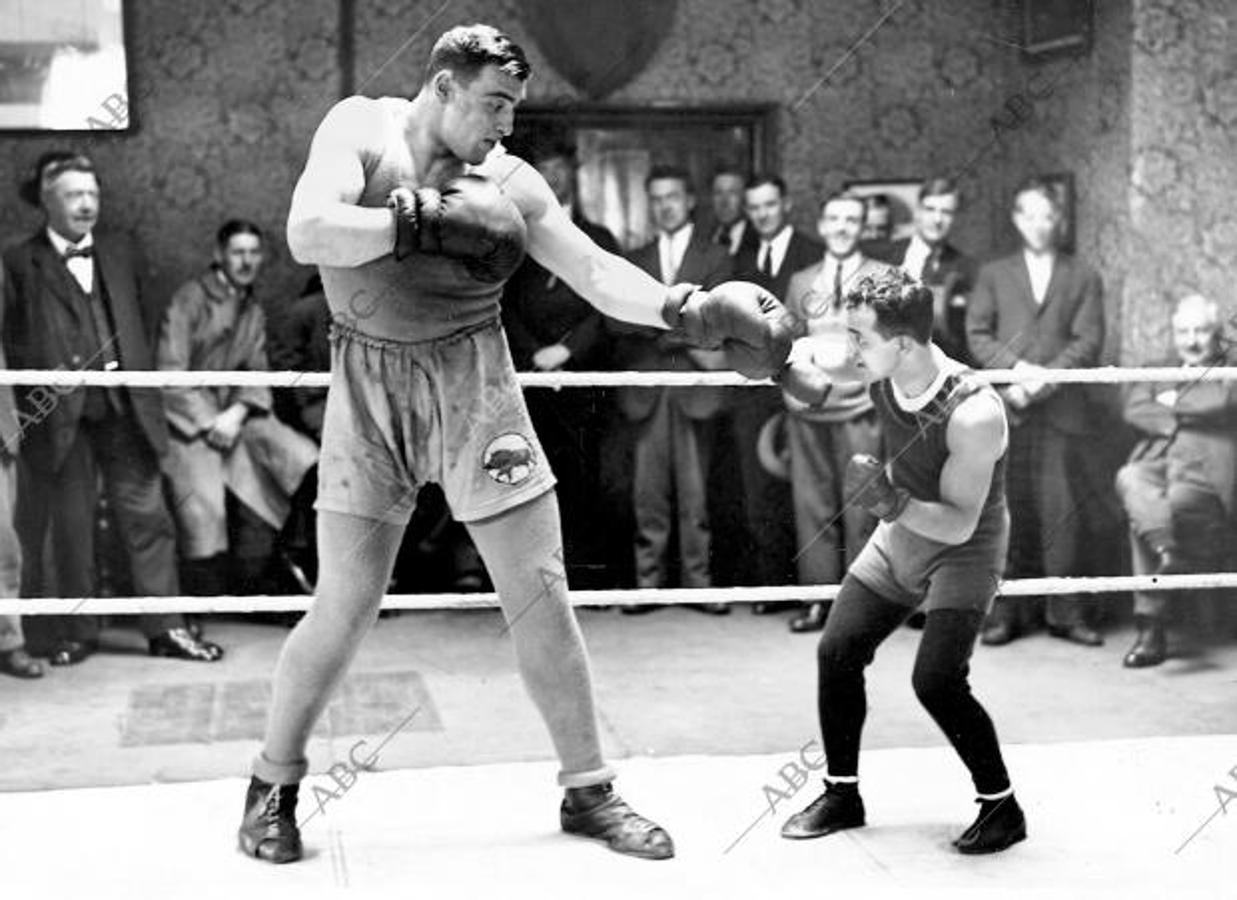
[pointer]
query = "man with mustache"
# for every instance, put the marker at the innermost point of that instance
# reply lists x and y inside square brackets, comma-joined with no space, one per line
[1178,486]
[226,440]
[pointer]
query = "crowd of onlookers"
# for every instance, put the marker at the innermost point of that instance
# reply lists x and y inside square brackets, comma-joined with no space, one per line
[208,490]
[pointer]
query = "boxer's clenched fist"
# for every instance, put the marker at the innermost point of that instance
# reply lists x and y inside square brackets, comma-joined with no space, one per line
[470,219]
[742,319]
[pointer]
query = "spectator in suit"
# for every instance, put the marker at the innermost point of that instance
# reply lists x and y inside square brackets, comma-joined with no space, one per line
[1178,486]
[1041,309]
[781,251]
[551,328]
[227,441]
[673,433]
[877,219]
[14,660]
[75,303]
[928,256]
[824,437]
[731,229]
[298,338]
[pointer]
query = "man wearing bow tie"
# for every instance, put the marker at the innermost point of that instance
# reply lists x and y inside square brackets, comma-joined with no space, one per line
[74,305]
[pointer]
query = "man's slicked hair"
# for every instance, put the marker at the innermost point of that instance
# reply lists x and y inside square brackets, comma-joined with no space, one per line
[670,173]
[467,49]
[902,304]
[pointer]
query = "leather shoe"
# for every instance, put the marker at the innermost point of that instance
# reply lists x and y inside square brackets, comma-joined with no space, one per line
[178,643]
[70,653]
[20,664]
[1151,646]
[1077,633]
[838,808]
[997,634]
[713,609]
[598,812]
[1000,824]
[268,830]
[771,607]
[811,619]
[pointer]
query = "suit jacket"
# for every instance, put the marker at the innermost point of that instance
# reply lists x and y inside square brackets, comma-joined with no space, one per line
[540,309]
[10,431]
[801,252]
[1198,426]
[649,349]
[46,327]
[952,276]
[817,321]
[1004,324]
[298,340]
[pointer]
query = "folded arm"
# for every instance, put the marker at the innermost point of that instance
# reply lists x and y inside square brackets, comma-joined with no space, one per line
[325,225]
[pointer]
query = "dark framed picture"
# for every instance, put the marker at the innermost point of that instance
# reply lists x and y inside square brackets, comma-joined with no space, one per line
[899,195]
[63,66]
[1063,186]
[616,146]
[1056,27]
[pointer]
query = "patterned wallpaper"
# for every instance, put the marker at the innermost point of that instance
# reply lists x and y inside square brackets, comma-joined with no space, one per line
[1183,219]
[228,94]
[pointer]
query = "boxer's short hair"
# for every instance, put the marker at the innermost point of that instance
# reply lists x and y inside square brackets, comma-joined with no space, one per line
[47,168]
[901,303]
[232,228]
[467,49]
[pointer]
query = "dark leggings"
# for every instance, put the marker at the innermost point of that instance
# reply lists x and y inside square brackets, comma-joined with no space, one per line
[858,622]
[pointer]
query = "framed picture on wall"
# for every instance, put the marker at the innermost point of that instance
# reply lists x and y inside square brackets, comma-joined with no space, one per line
[899,195]
[616,146]
[1053,27]
[1063,186]
[63,66]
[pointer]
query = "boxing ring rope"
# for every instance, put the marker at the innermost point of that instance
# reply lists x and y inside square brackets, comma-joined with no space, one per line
[557,380]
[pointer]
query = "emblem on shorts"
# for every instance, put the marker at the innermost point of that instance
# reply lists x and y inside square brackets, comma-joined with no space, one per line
[508,459]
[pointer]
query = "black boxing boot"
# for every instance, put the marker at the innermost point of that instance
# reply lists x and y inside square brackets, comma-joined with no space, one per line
[1000,824]
[268,830]
[598,812]
[838,808]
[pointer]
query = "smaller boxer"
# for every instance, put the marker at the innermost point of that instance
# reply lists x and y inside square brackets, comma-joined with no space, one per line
[942,539]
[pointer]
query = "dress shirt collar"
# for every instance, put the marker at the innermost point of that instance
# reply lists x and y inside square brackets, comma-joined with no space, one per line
[777,246]
[62,244]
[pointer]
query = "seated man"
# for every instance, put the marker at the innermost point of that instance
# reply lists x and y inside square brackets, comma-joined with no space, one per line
[1178,484]
[226,437]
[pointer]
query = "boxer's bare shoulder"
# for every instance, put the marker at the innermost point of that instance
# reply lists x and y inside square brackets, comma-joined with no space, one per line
[521,182]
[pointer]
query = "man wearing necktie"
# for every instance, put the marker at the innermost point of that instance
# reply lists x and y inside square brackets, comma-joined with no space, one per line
[824,437]
[731,230]
[74,304]
[780,251]
[928,256]
[673,433]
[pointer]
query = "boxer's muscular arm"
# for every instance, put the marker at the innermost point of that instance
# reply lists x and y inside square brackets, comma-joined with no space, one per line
[325,226]
[609,282]
[976,439]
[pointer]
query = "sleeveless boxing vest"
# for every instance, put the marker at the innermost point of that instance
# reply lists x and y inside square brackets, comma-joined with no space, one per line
[422,297]
[915,441]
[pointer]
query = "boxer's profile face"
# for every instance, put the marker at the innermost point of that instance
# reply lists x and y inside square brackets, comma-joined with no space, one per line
[841,223]
[876,354]
[1036,218]
[241,260]
[934,217]
[72,204]
[478,114]
[767,209]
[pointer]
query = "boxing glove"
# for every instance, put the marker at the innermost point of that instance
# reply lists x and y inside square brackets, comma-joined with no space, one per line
[867,485]
[470,219]
[745,321]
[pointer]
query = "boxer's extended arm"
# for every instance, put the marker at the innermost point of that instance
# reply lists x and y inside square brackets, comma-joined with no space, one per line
[325,226]
[975,437]
[609,282]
